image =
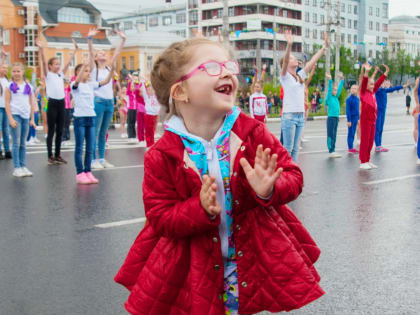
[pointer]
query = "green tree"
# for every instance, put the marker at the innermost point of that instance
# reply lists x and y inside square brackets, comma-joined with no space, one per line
[401,64]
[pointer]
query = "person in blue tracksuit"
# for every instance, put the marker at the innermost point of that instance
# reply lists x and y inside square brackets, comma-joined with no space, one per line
[353,115]
[382,100]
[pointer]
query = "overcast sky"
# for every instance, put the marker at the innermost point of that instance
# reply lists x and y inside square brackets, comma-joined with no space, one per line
[109,8]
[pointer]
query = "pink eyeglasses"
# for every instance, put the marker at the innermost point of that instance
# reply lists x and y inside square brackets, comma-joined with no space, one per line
[213,68]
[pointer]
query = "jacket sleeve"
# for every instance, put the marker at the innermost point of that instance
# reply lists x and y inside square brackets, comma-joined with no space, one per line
[290,183]
[329,92]
[348,109]
[379,83]
[169,214]
[363,86]
[394,88]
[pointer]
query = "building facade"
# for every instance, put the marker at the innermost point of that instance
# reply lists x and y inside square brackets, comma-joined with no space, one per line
[170,18]
[55,23]
[363,25]
[256,27]
[404,33]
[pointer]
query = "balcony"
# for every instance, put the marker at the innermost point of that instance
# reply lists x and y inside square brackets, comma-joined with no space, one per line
[257,16]
[33,27]
[233,3]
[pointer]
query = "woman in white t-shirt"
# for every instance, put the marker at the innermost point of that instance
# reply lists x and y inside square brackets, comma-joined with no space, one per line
[82,90]
[258,107]
[104,97]
[19,101]
[293,84]
[4,123]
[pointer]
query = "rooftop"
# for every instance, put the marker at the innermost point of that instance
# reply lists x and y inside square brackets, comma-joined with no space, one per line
[405,19]
[148,39]
[150,11]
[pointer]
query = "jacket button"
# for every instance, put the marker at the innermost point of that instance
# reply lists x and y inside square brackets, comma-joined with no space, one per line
[215,240]
[238,227]
[186,166]
[243,148]
[244,284]
[240,253]
[237,202]
[235,173]
[216,267]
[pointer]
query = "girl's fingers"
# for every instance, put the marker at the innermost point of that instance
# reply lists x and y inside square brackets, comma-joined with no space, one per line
[246,166]
[272,163]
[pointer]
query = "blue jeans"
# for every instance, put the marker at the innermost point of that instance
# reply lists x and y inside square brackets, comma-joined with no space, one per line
[19,135]
[32,130]
[380,121]
[332,126]
[4,127]
[418,142]
[291,128]
[352,131]
[104,109]
[84,128]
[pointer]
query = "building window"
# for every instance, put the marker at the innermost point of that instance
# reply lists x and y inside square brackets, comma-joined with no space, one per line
[370,25]
[343,8]
[385,10]
[343,22]
[149,63]
[307,31]
[128,25]
[59,55]
[131,63]
[167,20]
[231,11]
[377,40]
[180,18]
[6,37]
[349,9]
[315,34]
[349,23]
[306,16]
[349,38]
[355,39]
[370,53]
[322,19]
[355,24]
[74,15]
[314,3]
[193,16]
[377,26]
[153,21]
[343,38]
[370,11]
[124,62]
[355,9]
[315,18]
[385,40]
[377,12]
[219,13]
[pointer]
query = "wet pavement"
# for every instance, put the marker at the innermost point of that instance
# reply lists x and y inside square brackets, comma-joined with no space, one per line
[61,244]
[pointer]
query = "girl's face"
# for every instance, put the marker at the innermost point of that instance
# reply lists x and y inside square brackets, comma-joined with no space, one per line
[3,70]
[293,62]
[353,89]
[86,74]
[334,92]
[214,94]
[370,85]
[124,90]
[257,87]
[101,56]
[17,73]
[55,66]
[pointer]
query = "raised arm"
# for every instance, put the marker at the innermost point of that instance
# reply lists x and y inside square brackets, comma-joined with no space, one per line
[340,85]
[79,75]
[254,78]
[381,79]
[119,48]
[92,32]
[71,55]
[309,79]
[3,55]
[44,65]
[263,72]
[330,86]
[365,70]
[416,93]
[318,55]
[289,38]
[109,77]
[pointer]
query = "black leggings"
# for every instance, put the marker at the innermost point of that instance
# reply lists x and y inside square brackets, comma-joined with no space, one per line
[55,121]
[131,122]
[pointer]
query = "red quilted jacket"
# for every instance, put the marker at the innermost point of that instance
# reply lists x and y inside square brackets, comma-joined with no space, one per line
[175,264]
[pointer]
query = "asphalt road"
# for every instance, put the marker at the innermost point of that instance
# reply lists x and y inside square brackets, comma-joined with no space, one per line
[61,244]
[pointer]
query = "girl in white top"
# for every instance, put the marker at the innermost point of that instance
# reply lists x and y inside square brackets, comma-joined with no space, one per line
[258,107]
[104,96]
[54,82]
[4,123]
[82,90]
[152,108]
[293,84]
[19,101]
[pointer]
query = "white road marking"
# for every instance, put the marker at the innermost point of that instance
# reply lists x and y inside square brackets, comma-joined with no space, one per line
[393,179]
[112,147]
[118,168]
[120,223]
[407,145]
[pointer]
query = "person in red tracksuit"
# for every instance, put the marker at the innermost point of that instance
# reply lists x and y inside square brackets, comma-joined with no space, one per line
[368,115]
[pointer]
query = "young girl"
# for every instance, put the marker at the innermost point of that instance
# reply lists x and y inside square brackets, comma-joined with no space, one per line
[104,97]
[84,121]
[132,110]
[216,185]
[416,115]
[123,102]
[152,112]
[19,101]
[353,115]
[258,107]
[368,114]
[293,83]
[68,110]
[141,112]
[4,123]
[54,82]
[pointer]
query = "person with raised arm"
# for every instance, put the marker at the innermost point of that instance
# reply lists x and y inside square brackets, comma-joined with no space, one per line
[293,84]
[54,82]
[104,96]
[258,108]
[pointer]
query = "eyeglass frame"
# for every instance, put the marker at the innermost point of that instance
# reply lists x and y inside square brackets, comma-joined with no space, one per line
[201,67]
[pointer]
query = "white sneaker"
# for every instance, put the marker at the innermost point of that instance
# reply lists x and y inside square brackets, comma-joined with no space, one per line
[418,162]
[96,165]
[304,140]
[26,172]
[45,135]
[18,172]
[106,164]
[36,140]
[30,142]
[132,140]
[335,155]
[373,165]
[365,166]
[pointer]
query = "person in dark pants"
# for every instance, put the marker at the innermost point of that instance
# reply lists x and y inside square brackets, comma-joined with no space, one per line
[131,122]
[54,81]
[353,116]
[68,114]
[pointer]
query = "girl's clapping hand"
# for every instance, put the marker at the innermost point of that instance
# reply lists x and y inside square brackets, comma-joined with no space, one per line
[208,196]
[264,174]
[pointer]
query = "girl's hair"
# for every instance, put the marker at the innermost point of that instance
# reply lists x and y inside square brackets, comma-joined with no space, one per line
[295,75]
[51,60]
[76,70]
[18,64]
[169,68]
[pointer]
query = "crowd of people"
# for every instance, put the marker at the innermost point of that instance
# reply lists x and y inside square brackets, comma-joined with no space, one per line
[217,183]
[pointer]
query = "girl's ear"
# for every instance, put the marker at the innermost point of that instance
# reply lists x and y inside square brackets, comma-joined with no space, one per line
[179,93]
